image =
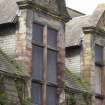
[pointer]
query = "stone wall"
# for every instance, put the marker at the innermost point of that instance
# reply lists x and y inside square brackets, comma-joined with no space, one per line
[11,91]
[87,58]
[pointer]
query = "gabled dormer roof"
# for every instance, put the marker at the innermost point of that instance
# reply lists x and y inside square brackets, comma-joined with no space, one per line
[74,28]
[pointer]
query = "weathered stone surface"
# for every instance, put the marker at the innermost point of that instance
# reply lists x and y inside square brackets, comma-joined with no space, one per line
[11,91]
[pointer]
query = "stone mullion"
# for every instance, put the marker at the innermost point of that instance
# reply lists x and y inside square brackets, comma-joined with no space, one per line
[44,87]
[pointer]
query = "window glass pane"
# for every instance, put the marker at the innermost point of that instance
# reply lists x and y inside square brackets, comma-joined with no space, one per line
[37,33]
[98,79]
[37,62]
[36,93]
[52,66]
[52,38]
[51,96]
[98,54]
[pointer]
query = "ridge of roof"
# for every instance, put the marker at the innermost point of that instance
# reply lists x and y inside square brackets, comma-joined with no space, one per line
[74,13]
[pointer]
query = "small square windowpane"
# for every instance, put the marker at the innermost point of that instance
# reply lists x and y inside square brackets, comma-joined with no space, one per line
[51,95]
[52,66]
[37,62]
[98,54]
[37,33]
[36,93]
[52,38]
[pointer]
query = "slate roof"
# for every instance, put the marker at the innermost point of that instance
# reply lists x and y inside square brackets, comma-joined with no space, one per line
[9,66]
[74,32]
[73,81]
[74,13]
[8,10]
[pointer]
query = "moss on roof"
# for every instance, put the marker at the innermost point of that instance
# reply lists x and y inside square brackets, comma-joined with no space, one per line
[10,66]
[74,81]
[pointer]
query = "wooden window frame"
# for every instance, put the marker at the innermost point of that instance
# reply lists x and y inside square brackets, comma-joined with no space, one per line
[44,83]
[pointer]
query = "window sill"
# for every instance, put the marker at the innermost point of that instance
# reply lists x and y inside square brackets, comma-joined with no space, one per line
[52,84]
[99,96]
[99,64]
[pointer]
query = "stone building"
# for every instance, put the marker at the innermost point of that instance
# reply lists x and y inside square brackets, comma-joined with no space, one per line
[85,52]
[32,51]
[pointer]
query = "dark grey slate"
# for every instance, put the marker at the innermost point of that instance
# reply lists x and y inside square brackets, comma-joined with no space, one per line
[8,11]
[74,31]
